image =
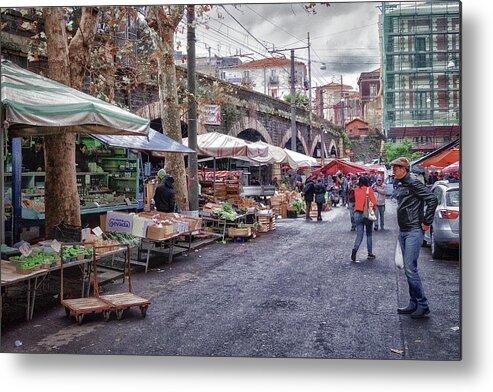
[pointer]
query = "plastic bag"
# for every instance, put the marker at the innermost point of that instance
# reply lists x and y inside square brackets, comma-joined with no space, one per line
[398,259]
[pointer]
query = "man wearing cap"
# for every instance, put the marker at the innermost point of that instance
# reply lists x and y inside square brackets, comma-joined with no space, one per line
[380,193]
[164,197]
[413,220]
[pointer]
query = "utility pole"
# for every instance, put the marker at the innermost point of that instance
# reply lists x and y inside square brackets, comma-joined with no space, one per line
[293,92]
[293,105]
[192,110]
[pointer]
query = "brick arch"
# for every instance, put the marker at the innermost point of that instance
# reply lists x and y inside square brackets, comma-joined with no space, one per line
[152,111]
[318,139]
[287,136]
[249,123]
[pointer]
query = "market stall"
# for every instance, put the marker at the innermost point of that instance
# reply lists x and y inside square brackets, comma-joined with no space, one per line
[33,105]
[340,165]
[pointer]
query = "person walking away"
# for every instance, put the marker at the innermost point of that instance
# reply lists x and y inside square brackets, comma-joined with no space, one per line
[361,222]
[413,220]
[350,199]
[164,197]
[308,193]
[380,193]
[319,197]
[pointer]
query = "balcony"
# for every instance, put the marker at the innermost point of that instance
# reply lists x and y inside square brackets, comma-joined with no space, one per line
[274,79]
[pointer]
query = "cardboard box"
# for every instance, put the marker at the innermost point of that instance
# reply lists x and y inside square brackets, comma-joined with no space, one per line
[119,222]
[140,224]
[159,232]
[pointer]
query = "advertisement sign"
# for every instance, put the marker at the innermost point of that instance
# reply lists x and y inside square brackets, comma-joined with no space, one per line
[212,114]
[119,222]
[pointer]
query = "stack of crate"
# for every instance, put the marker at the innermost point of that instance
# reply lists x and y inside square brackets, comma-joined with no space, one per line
[232,189]
[266,221]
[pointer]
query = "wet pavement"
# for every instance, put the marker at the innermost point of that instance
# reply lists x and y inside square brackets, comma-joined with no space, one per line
[292,292]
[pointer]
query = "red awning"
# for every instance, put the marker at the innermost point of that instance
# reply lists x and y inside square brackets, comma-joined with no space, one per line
[343,166]
[454,168]
[443,159]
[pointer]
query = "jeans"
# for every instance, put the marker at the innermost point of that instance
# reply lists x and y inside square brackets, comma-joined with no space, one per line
[361,223]
[319,210]
[380,212]
[351,213]
[411,242]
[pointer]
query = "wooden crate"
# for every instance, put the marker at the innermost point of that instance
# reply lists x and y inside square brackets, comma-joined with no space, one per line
[239,231]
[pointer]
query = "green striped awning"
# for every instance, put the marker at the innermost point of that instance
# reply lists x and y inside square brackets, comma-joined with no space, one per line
[35,105]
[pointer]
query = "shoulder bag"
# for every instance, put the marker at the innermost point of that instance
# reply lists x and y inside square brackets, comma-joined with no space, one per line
[368,211]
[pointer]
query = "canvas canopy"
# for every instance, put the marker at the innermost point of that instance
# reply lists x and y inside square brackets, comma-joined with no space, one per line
[274,154]
[444,158]
[296,159]
[343,166]
[218,145]
[453,168]
[35,105]
[156,142]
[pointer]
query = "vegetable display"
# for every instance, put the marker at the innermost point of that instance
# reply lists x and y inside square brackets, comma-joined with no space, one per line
[297,204]
[226,212]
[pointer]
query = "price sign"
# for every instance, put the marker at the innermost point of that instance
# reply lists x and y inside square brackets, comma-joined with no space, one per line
[56,246]
[25,249]
[97,231]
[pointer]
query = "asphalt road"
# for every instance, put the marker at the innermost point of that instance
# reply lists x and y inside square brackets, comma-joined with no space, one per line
[292,292]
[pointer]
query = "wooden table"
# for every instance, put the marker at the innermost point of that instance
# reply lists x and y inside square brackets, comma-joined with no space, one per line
[9,278]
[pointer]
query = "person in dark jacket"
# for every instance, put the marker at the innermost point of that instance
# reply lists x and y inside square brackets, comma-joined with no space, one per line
[164,197]
[308,194]
[413,220]
[35,158]
[319,197]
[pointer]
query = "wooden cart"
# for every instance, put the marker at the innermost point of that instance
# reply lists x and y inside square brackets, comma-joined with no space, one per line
[81,306]
[122,301]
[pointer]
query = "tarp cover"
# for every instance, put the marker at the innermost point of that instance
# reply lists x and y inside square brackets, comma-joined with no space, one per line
[35,105]
[296,159]
[343,166]
[218,145]
[156,142]
[453,168]
[443,159]
[274,154]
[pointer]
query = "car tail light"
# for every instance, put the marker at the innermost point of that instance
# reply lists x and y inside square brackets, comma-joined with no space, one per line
[448,214]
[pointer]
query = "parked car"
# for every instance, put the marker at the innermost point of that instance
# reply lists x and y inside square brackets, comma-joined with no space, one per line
[444,232]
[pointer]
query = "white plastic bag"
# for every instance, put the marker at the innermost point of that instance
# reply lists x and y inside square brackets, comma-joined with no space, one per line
[399,261]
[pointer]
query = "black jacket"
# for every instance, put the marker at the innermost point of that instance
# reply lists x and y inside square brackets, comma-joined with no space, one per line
[412,196]
[309,190]
[320,193]
[164,197]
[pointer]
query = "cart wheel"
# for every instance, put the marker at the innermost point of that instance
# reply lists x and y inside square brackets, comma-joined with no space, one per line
[79,318]
[119,313]
[106,315]
[143,310]
[67,311]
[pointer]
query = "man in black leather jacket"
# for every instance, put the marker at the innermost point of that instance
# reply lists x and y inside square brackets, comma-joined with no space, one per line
[413,220]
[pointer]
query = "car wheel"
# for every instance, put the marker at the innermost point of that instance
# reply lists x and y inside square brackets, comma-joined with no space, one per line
[436,251]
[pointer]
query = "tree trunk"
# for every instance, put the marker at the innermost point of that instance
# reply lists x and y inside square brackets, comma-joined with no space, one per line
[61,196]
[165,26]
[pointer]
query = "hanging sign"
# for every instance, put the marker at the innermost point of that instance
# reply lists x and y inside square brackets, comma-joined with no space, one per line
[212,114]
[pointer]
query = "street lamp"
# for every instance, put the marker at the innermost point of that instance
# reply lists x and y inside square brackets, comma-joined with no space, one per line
[342,111]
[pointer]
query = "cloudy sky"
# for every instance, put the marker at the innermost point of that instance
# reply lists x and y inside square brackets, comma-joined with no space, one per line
[344,36]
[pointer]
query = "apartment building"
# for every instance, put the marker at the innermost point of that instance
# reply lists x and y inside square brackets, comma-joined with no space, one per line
[421,72]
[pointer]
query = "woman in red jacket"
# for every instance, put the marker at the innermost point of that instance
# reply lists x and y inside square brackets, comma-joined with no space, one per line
[359,220]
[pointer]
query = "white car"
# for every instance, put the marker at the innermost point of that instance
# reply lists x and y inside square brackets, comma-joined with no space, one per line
[444,232]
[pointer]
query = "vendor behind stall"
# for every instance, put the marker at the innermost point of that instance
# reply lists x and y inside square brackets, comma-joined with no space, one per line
[35,157]
[164,197]
[81,157]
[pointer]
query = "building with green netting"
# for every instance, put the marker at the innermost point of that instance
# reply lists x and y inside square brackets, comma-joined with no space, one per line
[421,57]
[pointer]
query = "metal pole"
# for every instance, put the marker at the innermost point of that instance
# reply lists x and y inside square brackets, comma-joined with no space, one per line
[309,84]
[2,180]
[192,109]
[322,142]
[293,105]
